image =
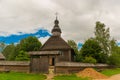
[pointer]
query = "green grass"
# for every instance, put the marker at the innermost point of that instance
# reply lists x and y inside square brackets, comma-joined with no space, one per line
[110,72]
[69,77]
[21,76]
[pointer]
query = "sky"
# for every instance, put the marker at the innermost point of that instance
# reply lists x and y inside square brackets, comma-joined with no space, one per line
[77,18]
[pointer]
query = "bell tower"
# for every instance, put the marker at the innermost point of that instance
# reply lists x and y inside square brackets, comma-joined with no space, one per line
[56,31]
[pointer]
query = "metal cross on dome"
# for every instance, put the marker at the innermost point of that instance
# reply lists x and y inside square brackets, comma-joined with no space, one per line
[56,15]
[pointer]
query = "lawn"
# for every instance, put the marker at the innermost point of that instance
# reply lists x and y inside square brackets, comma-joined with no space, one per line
[69,77]
[110,72]
[21,76]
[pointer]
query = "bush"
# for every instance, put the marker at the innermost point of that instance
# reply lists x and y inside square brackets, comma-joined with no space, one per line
[78,58]
[114,59]
[90,60]
[22,56]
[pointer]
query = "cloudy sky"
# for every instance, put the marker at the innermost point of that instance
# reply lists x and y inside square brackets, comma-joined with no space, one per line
[77,17]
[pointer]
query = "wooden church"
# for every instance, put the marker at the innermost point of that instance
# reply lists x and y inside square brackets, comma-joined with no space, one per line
[54,50]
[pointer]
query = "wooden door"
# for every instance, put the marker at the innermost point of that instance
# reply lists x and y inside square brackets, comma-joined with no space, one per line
[34,65]
[44,64]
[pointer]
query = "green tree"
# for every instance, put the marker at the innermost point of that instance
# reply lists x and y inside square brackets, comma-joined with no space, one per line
[9,52]
[92,49]
[26,44]
[114,46]
[22,56]
[2,46]
[90,60]
[73,45]
[30,44]
[102,35]
[114,59]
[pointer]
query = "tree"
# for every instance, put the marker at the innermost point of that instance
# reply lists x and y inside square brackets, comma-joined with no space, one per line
[25,45]
[92,49]
[9,52]
[102,35]
[114,58]
[73,45]
[2,46]
[30,44]
[22,56]
[114,46]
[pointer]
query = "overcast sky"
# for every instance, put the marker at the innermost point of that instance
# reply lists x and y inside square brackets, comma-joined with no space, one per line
[77,17]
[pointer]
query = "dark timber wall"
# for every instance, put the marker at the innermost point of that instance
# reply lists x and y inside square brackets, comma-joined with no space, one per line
[61,67]
[64,56]
[74,67]
[17,66]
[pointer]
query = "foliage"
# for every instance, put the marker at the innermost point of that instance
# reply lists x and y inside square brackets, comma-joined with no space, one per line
[18,52]
[114,59]
[92,49]
[2,46]
[9,52]
[69,77]
[102,35]
[78,58]
[21,76]
[73,45]
[110,72]
[22,56]
[30,44]
[90,60]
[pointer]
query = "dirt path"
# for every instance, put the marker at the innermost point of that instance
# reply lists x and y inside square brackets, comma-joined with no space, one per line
[50,76]
[114,77]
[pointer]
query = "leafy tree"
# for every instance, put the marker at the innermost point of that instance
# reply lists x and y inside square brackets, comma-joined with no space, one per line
[9,52]
[30,44]
[92,49]
[114,46]
[90,60]
[2,46]
[114,58]
[73,44]
[102,35]
[25,45]
[22,56]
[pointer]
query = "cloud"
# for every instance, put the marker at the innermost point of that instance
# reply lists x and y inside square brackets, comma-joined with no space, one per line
[77,17]
[40,33]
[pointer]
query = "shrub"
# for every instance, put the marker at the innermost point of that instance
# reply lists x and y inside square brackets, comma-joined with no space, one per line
[114,59]
[22,56]
[90,60]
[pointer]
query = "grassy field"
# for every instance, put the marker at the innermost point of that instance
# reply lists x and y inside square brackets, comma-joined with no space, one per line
[110,72]
[69,77]
[24,76]
[21,76]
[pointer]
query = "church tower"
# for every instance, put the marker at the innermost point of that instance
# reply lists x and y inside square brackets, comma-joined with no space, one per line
[56,31]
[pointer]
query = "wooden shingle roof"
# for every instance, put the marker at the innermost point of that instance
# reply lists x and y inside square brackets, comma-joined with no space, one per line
[55,43]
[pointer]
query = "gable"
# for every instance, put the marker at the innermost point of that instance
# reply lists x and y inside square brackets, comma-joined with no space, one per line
[55,43]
